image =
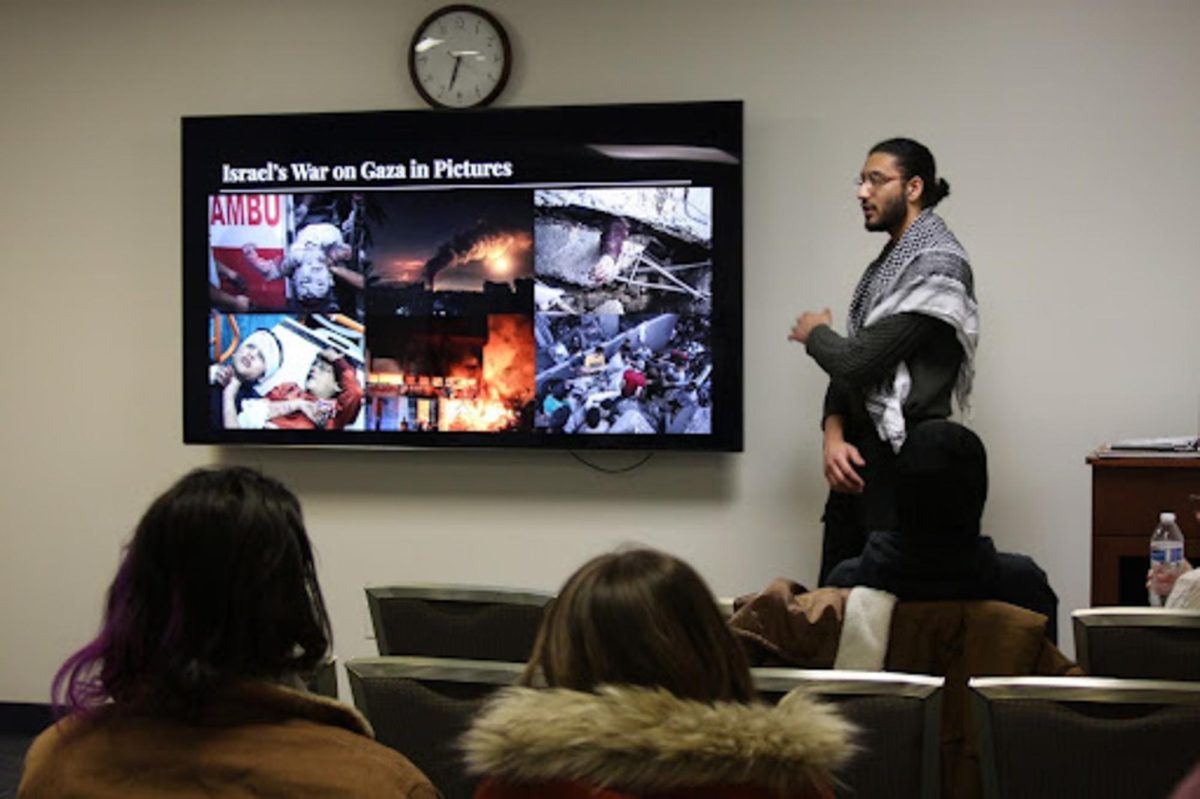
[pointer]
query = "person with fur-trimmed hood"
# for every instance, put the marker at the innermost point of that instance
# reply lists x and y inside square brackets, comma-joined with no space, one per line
[649,695]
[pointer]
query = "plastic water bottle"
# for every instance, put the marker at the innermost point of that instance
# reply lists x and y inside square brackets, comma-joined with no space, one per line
[1166,551]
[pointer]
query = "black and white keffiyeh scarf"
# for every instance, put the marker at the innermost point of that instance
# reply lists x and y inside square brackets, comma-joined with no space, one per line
[926,272]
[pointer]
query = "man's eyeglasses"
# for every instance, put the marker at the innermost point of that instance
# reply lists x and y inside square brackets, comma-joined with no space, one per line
[875,179]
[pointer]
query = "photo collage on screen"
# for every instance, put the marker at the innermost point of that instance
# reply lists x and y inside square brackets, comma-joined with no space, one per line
[466,310]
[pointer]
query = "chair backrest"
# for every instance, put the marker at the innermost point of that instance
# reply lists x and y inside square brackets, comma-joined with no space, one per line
[323,679]
[421,707]
[453,621]
[899,718]
[1138,643]
[1085,736]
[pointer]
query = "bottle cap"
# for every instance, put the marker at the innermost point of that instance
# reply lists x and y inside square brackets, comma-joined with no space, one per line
[1166,517]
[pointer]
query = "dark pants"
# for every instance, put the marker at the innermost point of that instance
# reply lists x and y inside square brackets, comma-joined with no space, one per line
[849,518]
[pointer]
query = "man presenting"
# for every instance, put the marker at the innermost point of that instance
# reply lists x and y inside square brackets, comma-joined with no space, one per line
[909,346]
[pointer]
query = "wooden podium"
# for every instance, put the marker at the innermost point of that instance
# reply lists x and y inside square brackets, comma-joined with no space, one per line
[1129,490]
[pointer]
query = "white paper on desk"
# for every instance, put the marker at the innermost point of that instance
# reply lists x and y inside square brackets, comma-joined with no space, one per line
[1163,444]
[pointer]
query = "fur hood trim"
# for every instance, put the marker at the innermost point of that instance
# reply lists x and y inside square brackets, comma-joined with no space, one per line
[646,739]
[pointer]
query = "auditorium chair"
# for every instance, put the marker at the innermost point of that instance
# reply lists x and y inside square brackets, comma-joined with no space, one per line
[322,679]
[456,621]
[421,706]
[899,717]
[1138,643]
[1095,737]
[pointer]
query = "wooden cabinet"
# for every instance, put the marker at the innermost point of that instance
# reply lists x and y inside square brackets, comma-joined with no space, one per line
[1129,490]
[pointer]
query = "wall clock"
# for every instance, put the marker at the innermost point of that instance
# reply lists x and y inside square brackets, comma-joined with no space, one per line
[460,57]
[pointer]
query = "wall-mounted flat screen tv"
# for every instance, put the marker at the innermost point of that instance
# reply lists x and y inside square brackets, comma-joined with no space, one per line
[565,277]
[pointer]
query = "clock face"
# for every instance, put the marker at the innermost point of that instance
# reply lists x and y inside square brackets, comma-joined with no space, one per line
[460,57]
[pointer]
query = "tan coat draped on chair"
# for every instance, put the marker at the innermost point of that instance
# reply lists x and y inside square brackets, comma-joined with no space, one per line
[785,626]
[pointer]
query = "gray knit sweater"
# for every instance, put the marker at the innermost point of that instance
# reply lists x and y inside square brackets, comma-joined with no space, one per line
[927,345]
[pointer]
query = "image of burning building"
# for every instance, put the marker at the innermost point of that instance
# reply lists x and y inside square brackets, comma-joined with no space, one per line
[626,374]
[453,253]
[461,374]
[623,250]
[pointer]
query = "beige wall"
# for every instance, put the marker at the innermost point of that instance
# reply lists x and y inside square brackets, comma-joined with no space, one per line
[1068,131]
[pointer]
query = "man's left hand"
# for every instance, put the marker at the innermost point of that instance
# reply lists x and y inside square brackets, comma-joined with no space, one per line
[807,321]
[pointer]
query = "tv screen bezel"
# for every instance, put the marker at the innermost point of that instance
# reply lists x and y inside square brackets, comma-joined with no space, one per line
[532,137]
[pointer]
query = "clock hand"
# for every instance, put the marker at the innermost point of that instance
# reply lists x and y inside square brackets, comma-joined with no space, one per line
[454,74]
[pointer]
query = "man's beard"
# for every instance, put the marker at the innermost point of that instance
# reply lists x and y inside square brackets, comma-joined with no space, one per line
[889,215]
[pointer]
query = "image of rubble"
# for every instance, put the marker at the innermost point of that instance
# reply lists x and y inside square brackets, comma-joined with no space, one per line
[623,374]
[452,253]
[615,251]
[450,374]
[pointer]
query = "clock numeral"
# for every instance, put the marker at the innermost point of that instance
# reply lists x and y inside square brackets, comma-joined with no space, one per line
[460,23]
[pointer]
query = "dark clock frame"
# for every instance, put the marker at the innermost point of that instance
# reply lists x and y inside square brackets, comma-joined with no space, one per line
[504,44]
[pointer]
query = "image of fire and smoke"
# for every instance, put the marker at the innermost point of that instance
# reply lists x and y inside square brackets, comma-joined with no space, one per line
[300,253]
[460,374]
[285,372]
[627,374]
[623,250]
[452,253]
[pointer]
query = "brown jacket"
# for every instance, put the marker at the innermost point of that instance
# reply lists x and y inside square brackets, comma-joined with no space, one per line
[259,740]
[784,625]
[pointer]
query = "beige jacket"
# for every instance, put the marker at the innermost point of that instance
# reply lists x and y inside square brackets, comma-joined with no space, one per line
[258,740]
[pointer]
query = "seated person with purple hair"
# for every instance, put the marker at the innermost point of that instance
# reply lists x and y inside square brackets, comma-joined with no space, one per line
[193,686]
[937,552]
